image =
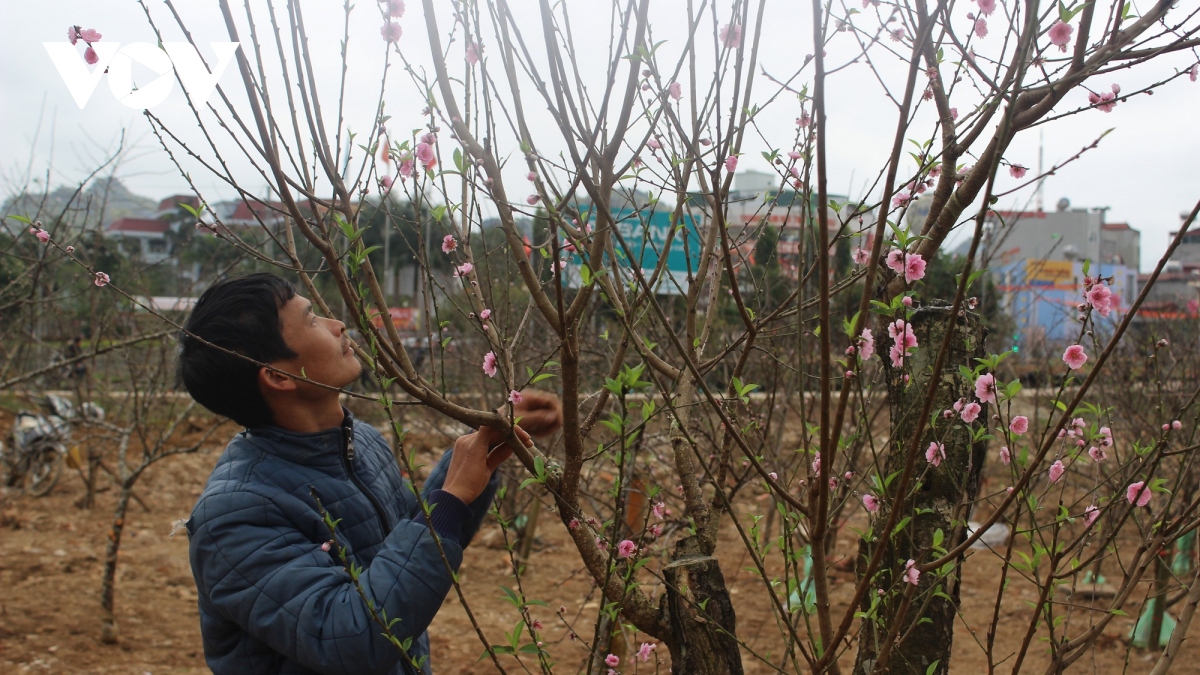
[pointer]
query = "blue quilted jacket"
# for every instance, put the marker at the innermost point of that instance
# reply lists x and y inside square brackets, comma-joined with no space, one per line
[271,601]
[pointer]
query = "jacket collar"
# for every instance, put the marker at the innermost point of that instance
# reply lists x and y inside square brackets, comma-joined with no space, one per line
[318,449]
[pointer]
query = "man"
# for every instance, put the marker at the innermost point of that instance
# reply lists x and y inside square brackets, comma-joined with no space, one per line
[274,597]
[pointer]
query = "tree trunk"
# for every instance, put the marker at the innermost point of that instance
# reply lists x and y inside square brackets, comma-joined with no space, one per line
[109,632]
[702,641]
[934,494]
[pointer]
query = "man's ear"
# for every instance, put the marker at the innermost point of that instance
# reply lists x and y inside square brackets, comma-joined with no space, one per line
[273,380]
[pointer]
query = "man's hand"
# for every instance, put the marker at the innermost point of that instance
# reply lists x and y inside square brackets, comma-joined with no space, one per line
[539,412]
[475,457]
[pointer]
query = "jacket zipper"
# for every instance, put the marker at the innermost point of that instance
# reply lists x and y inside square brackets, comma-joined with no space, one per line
[348,462]
[348,455]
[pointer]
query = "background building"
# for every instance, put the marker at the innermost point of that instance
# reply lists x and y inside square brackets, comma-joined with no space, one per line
[1042,297]
[1070,234]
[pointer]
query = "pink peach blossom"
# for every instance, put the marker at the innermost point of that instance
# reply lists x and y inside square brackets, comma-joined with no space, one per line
[731,163]
[912,575]
[515,397]
[675,90]
[1019,425]
[90,35]
[935,453]
[981,27]
[1074,357]
[1138,492]
[1056,471]
[970,412]
[871,502]
[391,31]
[396,8]
[1097,454]
[102,279]
[449,243]
[473,50]
[1016,171]
[1104,101]
[1090,514]
[914,268]
[89,56]
[1100,297]
[985,388]
[731,35]
[986,7]
[895,260]
[426,155]
[612,660]
[866,344]
[860,256]
[1060,34]
[643,652]
[489,364]
[1005,455]
[626,548]
[465,269]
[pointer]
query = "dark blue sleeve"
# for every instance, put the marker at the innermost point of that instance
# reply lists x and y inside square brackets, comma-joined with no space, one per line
[478,508]
[253,561]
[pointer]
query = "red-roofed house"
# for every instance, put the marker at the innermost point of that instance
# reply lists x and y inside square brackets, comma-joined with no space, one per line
[142,237]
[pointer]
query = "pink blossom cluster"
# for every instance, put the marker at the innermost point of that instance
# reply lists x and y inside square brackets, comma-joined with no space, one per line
[390,30]
[1105,100]
[911,265]
[425,153]
[1098,295]
[967,410]
[903,340]
[89,36]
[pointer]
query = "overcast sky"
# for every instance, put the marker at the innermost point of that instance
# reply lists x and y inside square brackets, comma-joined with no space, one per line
[1147,170]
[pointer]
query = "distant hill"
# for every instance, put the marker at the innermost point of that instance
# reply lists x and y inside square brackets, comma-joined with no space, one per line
[104,200]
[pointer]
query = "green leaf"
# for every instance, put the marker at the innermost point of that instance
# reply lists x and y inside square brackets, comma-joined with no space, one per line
[188,207]
[20,219]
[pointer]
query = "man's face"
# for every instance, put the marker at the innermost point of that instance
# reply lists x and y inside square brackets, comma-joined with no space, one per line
[323,352]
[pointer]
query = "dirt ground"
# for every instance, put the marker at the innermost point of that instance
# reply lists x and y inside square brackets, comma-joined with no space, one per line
[51,561]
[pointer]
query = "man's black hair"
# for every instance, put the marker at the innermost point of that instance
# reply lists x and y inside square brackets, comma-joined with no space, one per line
[241,315]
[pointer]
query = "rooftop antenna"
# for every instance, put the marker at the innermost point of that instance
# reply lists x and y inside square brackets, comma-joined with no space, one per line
[1041,176]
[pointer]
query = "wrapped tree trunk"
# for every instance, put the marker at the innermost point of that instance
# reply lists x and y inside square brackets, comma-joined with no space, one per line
[924,624]
[702,642]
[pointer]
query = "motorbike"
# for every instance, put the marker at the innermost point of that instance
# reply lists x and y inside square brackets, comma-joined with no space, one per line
[33,457]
